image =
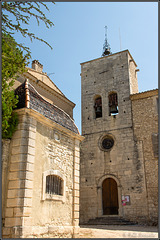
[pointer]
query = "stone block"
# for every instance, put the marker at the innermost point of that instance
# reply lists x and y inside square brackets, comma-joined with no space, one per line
[76,215]
[18,211]
[32,128]
[32,135]
[16,150]
[31,150]
[32,121]
[16,142]
[13,184]
[76,166]
[76,173]
[9,212]
[76,186]
[27,221]
[76,200]
[76,223]
[27,202]
[31,142]
[6,232]
[11,222]
[76,179]
[77,160]
[14,166]
[13,193]
[76,207]
[76,193]
[29,184]
[77,154]
[16,158]
[27,211]
[30,158]
[17,134]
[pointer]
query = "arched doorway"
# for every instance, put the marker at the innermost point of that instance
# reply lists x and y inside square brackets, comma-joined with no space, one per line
[110,197]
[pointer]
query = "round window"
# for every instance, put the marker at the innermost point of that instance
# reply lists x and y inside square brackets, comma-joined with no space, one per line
[107,143]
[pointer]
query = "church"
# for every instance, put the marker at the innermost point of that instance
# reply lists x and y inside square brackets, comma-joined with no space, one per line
[40,164]
[119,155]
[54,179]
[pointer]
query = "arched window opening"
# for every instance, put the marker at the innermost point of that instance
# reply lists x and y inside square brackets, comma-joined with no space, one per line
[113,104]
[54,185]
[98,107]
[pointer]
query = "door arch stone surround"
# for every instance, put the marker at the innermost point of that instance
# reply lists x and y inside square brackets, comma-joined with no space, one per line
[99,194]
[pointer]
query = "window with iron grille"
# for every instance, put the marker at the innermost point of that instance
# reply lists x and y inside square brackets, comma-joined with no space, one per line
[98,107]
[54,185]
[113,103]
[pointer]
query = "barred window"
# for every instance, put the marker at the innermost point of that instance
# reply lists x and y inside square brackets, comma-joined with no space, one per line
[54,185]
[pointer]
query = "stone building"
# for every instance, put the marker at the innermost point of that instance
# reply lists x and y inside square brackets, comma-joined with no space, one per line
[40,172]
[118,169]
[119,155]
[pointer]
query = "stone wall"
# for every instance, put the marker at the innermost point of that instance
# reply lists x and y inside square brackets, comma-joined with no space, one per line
[124,162]
[145,122]
[40,146]
[5,166]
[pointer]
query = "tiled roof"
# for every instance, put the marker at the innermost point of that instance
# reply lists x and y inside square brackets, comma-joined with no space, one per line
[47,109]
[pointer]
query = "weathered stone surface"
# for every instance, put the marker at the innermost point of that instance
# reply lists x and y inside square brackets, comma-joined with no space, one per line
[129,160]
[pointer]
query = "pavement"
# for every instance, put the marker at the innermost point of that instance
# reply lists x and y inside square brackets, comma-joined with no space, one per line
[117,231]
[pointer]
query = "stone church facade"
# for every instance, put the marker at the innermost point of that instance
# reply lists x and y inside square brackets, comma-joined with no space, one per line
[40,172]
[48,168]
[119,155]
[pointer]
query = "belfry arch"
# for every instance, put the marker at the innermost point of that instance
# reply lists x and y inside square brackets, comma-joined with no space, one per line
[109,192]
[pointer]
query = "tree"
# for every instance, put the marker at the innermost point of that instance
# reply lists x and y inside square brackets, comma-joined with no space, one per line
[14,15]
[21,12]
[13,63]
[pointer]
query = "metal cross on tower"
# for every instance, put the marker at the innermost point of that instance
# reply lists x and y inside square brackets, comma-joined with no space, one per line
[106,46]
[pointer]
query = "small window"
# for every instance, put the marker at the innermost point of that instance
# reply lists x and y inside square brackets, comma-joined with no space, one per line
[106,143]
[98,107]
[54,185]
[113,104]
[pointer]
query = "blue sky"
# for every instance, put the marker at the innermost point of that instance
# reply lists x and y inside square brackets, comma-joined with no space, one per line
[78,36]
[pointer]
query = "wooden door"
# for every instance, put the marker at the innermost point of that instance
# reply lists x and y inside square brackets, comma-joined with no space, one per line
[110,197]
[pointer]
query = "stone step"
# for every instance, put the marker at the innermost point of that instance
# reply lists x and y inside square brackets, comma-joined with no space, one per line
[110,221]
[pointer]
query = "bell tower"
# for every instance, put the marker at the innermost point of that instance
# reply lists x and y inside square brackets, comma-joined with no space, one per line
[109,150]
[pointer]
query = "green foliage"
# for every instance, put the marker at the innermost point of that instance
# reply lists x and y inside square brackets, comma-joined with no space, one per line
[13,63]
[14,16]
[21,13]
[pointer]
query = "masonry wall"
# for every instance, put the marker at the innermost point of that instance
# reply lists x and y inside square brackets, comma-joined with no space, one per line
[124,162]
[5,166]
[145,122]
[36,147]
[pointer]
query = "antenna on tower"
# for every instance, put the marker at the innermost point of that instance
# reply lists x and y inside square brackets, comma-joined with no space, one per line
[106,46]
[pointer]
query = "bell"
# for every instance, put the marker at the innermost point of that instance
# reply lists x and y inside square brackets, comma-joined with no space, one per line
[106,52]
[113,109]
[98,110]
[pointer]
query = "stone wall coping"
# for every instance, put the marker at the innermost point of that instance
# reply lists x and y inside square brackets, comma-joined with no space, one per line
[145,94]
[111,56]
[48,122]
